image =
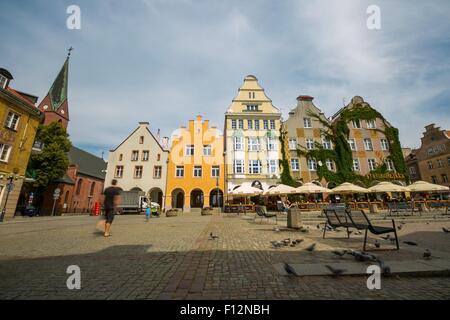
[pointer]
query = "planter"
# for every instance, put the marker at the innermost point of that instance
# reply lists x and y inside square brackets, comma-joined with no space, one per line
[171,213]
[207,211]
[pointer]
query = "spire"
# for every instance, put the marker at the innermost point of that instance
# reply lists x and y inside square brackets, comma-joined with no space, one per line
[55,105]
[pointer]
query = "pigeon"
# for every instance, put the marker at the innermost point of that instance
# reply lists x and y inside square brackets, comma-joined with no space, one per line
[289,270]
[276,244]
[297,241]
[318,227]
[377,244]
[212,236]
[276,229]
[399,227]
[358,232]
[445,230]
[428,222]
[403,222]
[387,237]
[335,271]
[384,268]
[339,253]
[410,243]
[427,254]
[311,248]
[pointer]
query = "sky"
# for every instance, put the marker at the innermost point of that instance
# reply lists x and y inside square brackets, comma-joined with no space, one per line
[166,61]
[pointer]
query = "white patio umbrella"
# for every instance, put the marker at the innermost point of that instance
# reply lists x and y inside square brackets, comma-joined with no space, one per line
[348,187]
[310,187]
[423,186]
[386,186]
[245,190]
[280,190]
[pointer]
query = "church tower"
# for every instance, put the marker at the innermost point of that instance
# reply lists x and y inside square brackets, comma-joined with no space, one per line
[54,105]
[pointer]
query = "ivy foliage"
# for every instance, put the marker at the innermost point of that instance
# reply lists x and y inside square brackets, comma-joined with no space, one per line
[338,133]
[285,176]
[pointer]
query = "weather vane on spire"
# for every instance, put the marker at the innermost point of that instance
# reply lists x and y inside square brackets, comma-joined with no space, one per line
[69,50]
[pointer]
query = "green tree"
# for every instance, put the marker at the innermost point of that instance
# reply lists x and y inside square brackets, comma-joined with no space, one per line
[52,162]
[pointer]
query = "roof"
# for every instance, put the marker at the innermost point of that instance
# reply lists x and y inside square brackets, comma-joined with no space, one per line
[20,97]
[65,179]
[6,73]
[58,90]
[131,134]
[87,163]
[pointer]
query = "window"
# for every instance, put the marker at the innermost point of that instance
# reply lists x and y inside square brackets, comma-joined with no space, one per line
[251,95]
[253,144]
[309,144]
[249,124]
[197,171]
[384,145]
[3,81]
[440,163]
[272,166]
[120,157]
[252,107]
[352,144]
[79,185]
[256,124]
[135,155]
[138,172]
[158,157]
[370,124]
[330,164]
[271,144]
[307,122]
[233,124]
[207,150]
[355,165]
[412,171]
[12,120]
[356,124]
[368,144]
[190,150]
[238,166]
[141,139]
[215,171]
[292,143]
[434,179]
[179,172]
[241,124]
[448,161]
[119,172]
[295,164]
[266,124]
[254,166]
[157,170]
[145,155]
[312,164]
[444,178]
[4,152]
[326,144]
[372,164]
[272,124]
[389,164]
[238,143]
[430,165]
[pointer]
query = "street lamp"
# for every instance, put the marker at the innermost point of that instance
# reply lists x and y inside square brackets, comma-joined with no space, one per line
[217,187]
[9,188]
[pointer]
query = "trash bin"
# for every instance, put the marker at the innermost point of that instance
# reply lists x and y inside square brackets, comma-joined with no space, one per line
[294,218]
[373,207]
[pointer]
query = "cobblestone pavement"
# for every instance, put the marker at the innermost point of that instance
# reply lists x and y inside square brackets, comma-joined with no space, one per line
[173,258]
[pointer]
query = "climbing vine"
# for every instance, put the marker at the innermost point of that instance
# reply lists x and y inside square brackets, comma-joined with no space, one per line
[338,133]
[285,176]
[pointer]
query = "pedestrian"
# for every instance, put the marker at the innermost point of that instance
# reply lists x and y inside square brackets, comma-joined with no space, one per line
[148,213]
[111,202]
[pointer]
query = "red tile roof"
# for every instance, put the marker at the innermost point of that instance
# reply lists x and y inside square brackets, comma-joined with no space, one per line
[21,97]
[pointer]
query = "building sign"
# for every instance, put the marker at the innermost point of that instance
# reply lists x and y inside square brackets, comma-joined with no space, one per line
[386,176]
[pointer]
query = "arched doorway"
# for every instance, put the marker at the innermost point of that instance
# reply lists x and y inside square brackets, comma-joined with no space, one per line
[136,189]
[197,198]
[178,198]
[156,195]
[257,184]
[216,198]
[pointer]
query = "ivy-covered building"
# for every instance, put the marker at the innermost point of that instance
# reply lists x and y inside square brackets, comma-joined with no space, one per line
[304,132]
[357,144]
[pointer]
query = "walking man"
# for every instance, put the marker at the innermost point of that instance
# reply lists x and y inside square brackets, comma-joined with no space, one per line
[112,200]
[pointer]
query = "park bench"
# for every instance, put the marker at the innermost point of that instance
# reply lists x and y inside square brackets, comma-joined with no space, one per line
[360,221]
[262,213]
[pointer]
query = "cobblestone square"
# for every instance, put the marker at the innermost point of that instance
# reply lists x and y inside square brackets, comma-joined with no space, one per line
[173,258]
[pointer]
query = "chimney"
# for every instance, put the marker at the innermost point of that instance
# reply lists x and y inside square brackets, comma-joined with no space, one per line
[144,124]
[305,98]
[158,135]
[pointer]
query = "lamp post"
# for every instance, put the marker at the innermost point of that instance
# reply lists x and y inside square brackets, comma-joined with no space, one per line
[217,187]
[9,188]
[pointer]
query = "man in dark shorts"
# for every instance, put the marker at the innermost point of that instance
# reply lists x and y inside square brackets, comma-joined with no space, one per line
[112,199]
